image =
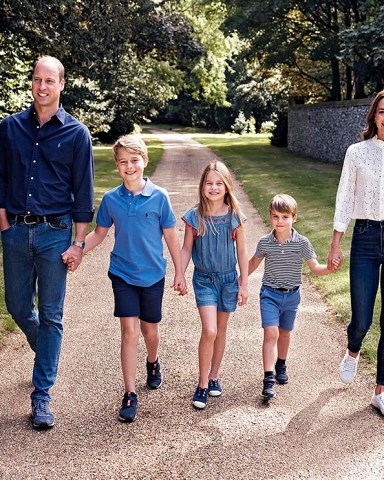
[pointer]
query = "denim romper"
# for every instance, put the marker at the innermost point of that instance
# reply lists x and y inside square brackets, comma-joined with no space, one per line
[214,257]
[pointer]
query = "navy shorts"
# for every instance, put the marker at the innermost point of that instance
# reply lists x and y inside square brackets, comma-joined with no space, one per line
[278,309]
[218,289]
[134,301]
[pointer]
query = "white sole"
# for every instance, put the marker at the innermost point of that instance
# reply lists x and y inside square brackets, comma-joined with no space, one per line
[214,393]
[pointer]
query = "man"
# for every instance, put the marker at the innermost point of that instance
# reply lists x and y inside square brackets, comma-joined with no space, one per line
[46,182]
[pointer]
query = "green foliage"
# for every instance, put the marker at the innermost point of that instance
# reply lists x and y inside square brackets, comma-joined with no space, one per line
[126,58]
[14,71]
[241,124]
[362,47]
[303,40]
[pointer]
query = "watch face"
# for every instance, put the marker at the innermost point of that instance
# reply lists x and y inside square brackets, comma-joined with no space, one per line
[78,244]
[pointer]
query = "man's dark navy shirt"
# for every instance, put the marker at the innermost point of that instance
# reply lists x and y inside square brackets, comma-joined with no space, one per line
[46,170]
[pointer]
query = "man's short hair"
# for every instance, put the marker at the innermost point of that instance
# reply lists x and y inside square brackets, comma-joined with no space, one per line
[60,66]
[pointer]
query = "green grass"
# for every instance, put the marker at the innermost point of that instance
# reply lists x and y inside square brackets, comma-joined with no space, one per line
[264,171]
[106,177]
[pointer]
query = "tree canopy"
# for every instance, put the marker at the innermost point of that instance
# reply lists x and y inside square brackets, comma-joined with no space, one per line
[198,62]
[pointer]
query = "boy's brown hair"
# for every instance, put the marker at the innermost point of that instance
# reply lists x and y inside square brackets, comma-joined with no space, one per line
[283,203]
[131,143]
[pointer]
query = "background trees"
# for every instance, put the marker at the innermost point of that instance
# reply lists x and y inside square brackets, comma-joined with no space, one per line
[195,62]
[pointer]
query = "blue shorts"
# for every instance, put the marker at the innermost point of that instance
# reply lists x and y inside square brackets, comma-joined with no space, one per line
[278,309]
[134,301]
[218,289]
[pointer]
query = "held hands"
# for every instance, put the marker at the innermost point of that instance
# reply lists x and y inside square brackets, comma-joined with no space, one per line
[335,263]
[180,285]
[242,296]
[72,261]
[335,259]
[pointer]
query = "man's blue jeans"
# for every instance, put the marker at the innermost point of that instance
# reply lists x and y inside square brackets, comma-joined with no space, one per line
[367,257]
[33,267]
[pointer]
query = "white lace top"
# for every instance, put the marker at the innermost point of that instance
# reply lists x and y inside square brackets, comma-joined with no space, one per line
[361,188]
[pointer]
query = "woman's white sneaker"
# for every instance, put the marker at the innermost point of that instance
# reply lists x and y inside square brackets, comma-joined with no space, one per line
[378,402]
[348,368]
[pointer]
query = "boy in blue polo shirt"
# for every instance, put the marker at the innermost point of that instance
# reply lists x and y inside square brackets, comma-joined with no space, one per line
[141,213]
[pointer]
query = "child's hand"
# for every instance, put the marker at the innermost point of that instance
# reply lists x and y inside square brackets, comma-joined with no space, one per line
[336,262]
[242,296]
[72,262]
[180,285]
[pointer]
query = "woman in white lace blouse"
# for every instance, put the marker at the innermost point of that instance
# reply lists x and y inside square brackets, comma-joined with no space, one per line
[360,196]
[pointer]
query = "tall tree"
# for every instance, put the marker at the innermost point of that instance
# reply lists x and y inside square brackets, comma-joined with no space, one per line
[96,41]
[301,36]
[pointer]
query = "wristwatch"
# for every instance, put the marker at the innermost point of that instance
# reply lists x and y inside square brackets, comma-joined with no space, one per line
[78,244]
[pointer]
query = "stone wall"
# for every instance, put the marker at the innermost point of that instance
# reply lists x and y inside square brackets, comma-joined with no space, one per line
[325,130]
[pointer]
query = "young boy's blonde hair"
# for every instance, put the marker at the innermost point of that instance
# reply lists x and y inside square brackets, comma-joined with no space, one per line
[283,203]
[131,143]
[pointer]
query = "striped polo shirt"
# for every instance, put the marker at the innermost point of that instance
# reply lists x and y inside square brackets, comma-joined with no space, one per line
[284,261]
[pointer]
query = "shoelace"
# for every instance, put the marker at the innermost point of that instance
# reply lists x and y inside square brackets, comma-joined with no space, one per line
[42,406]
[349,365]
[202,392]
[214,384]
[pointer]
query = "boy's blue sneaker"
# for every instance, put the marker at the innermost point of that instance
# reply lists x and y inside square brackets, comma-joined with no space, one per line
[128,408]
[154,377]
[214,388]
[281,374]
[42,417]
[269,388]
[200,398]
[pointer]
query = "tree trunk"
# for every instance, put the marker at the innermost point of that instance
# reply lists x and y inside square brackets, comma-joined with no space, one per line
[336,88]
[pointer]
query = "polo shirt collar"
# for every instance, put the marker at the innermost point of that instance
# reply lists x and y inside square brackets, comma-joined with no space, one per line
[293,238]
[146,192]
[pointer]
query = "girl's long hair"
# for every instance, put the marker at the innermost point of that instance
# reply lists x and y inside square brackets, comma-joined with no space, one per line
[371,128]
[203,213]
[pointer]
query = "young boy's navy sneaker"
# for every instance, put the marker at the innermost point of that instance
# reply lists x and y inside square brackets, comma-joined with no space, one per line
[42,416]
[281,374]
[154,377]
[269,387]
[214,388]
[200,398]
[128,408]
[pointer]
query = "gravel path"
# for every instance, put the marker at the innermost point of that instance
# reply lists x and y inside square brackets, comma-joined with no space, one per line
[315,429]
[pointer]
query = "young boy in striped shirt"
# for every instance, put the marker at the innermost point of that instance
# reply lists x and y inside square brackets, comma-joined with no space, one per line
[284,250]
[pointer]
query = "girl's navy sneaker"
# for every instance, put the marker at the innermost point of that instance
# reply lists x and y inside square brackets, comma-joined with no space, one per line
[200,398]
[214,388]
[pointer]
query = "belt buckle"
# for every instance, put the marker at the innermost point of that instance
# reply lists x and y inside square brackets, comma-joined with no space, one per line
[25,220]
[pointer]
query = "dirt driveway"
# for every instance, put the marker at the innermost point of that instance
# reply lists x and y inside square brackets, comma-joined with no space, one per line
[315,429]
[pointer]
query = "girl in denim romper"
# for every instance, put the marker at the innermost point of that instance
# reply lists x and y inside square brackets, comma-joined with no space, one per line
[211,230]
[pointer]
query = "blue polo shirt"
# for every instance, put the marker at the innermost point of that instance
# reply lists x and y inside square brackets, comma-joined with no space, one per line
[46,170]
[137,256]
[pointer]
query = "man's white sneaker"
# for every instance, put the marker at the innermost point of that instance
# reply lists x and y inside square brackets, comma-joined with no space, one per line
[378,402]
[348,368]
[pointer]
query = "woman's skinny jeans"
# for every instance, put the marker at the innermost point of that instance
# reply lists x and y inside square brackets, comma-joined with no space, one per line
[367,258]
